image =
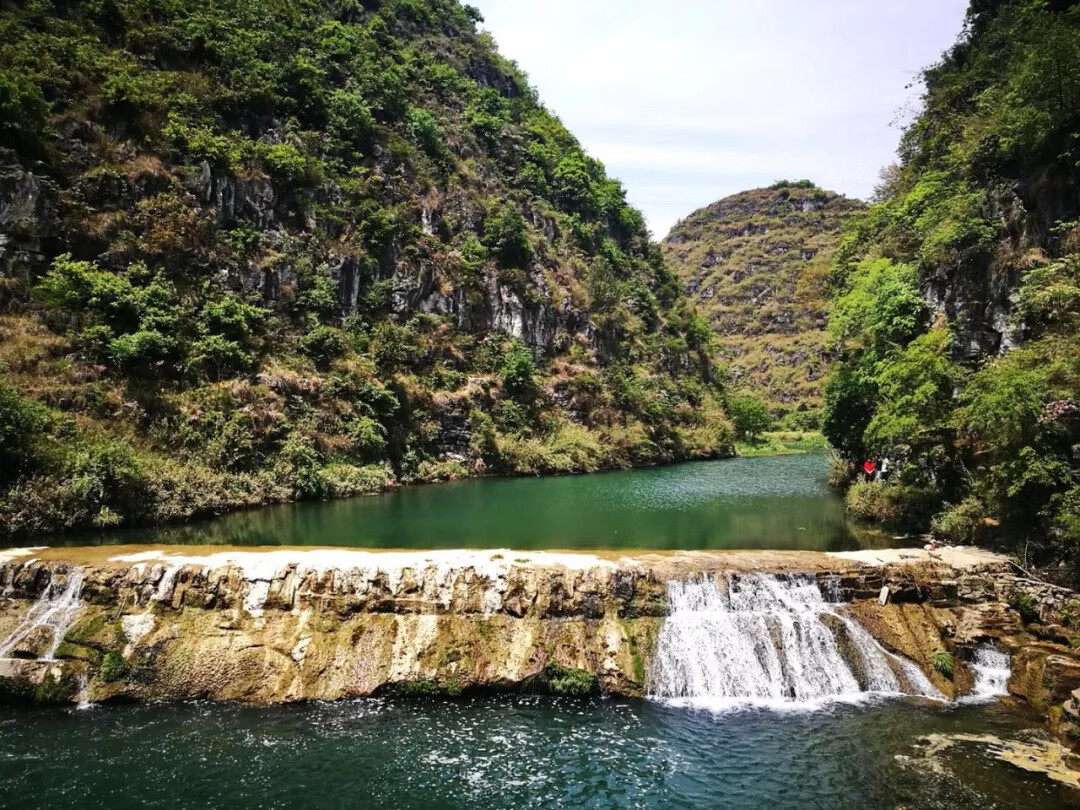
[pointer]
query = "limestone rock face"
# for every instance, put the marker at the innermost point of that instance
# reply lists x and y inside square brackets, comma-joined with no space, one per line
[271,627]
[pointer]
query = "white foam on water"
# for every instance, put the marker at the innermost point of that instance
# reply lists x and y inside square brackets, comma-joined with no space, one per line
[55,610]
[992,668]
[769,642]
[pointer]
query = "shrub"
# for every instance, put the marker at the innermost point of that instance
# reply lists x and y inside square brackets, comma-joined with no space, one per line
[574,449]
[339,480]
[367,437]
[324,344]
[569,681]
[23,109]
[113,667]
[507,236]
[394,347]
[963,524]
[518,371]
[22,425]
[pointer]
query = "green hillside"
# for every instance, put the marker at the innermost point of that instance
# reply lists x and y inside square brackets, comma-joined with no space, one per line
[757,263]
[958,296]
[253,251]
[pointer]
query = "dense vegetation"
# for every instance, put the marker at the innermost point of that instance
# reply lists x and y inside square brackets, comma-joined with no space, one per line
[958,296]
[258,250]
[757,265]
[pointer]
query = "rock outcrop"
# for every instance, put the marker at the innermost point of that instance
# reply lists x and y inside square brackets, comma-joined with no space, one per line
[285,625]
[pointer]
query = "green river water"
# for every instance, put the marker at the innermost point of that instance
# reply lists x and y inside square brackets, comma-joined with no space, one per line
[780,502]
[510,752]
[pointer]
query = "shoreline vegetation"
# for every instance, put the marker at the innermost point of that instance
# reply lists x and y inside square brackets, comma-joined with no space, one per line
[783,443]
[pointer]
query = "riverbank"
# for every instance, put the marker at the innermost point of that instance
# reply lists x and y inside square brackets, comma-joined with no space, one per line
[783,443]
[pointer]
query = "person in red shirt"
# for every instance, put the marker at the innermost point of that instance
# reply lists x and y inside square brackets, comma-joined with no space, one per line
[869,467]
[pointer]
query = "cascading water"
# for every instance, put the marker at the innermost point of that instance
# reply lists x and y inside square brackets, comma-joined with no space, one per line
[991,668]
[54,610]
[770,640]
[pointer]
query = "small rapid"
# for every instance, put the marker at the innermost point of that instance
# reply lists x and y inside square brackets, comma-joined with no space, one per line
[765,640]
[991,668]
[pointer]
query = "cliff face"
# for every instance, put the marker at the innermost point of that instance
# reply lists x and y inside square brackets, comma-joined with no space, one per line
[757,264]
[254,251]
[269,627]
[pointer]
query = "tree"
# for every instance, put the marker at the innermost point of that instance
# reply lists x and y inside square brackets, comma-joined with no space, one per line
[750,416]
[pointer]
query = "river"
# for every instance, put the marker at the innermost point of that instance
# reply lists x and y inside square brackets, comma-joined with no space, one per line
[510,752]
[779,502]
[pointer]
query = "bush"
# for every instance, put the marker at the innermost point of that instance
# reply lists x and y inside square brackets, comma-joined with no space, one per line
[113,667]
[1026,605]
[568,681]
[899,506]
[341,480]
[22,425]
[518,371]
[963,524]
[324,344]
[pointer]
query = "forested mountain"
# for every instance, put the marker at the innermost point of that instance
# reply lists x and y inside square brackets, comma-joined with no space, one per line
[757,264]
[958,294]
[257,250]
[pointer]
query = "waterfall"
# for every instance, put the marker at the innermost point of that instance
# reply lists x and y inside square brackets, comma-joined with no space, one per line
[768,640]
[82,697]
[54,610]
[992,668]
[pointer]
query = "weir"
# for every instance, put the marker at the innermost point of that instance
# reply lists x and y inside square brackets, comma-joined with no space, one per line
[770,640]
[787,629]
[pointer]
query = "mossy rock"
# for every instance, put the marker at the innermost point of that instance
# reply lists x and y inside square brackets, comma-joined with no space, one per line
[78,652]
[50,692]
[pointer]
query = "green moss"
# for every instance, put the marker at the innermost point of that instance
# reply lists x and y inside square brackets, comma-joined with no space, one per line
[562,680]
[113,667]
[90,627]
[52,690]
[15,692]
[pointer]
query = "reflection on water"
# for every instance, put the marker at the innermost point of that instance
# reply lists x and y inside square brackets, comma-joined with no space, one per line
[741,503]
[509,752]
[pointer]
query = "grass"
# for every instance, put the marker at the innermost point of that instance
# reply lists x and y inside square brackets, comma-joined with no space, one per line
[783,443]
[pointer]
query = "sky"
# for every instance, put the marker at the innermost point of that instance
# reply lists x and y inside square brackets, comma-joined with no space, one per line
[688,101]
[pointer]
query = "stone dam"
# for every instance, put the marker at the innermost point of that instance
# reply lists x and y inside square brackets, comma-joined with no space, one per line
[773,627]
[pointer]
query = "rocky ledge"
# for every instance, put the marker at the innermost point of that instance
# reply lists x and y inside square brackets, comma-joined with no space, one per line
[270,626]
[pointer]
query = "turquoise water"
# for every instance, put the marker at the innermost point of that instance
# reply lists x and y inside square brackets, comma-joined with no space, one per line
[508,752]
[780,502]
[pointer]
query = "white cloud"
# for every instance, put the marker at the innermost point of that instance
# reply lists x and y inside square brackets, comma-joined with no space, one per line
[687,101]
